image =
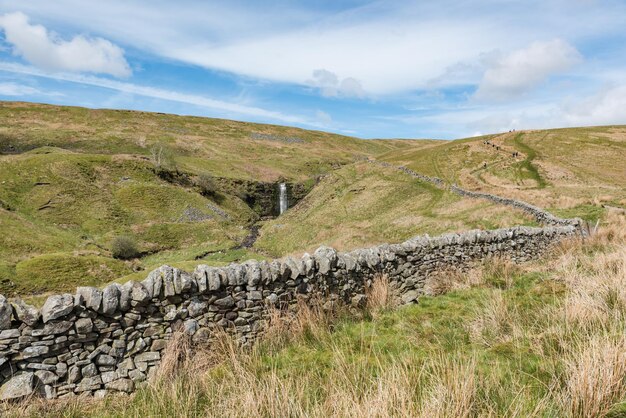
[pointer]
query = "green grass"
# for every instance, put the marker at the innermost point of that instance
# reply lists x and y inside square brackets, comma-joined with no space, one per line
[77,178]
[64,272]
[73,179]
[526,167]
[590,213]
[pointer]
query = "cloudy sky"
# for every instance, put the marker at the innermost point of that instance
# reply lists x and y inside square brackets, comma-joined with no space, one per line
[374,69]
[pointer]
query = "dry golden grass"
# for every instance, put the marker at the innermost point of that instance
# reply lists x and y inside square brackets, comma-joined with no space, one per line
[380,295]
[595,376]
[452,389]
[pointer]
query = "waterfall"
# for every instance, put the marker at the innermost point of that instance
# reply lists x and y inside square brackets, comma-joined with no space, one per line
[282,198]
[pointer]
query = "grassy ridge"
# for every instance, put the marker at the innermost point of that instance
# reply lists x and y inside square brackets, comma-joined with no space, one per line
[570,169]
[224,148]
[73,179]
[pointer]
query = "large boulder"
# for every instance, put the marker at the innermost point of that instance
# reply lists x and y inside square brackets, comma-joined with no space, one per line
[18,386]
[57,306]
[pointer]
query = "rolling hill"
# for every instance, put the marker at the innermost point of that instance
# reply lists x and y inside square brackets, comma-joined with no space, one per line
[73,180]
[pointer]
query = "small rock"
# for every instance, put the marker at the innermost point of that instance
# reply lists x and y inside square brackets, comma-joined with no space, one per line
[196,308]
[9,333]
[73,374]
[226,302]
[190,326]
[358,301]
[100,393]
[148,356]
[5,313]
[46,377]
[409,297]
[158,345]
[183,281]
[122,385]
[125,290]
[56,327]
[202,335]
[91,296]
[136,375]
[89,383]
[105,360]
[34,351]
[89,370]
[139,293]
[110,299]
[109,377]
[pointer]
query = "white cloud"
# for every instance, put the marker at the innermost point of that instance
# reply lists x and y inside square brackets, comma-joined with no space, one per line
[516,73]
[606,107]
[14,89]
[330,85]
[390,47]
[48,51]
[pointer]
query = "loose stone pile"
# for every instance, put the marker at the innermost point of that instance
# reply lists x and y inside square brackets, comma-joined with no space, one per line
[110,340]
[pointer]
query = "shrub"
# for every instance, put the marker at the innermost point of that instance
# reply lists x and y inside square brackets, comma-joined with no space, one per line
[124,248]
[162,158]
[207,184]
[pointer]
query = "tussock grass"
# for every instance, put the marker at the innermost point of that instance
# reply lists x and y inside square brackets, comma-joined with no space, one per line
[380,295]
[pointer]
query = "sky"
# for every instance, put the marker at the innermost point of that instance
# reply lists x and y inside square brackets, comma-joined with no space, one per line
[373,69]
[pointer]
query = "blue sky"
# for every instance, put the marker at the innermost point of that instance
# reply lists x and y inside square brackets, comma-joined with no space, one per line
[373,69]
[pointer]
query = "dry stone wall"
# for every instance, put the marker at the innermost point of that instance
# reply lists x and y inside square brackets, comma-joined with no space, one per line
[110,340]
[98,341]
[540,215]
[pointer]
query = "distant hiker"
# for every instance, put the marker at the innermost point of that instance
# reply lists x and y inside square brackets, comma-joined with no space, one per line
[484,165]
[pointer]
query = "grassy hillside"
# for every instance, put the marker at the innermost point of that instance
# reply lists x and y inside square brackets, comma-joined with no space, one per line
[72,180]
[569,171]
[364,204]
[224,148]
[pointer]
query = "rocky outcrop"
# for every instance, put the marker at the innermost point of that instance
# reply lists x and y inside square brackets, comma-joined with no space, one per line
[262,197]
